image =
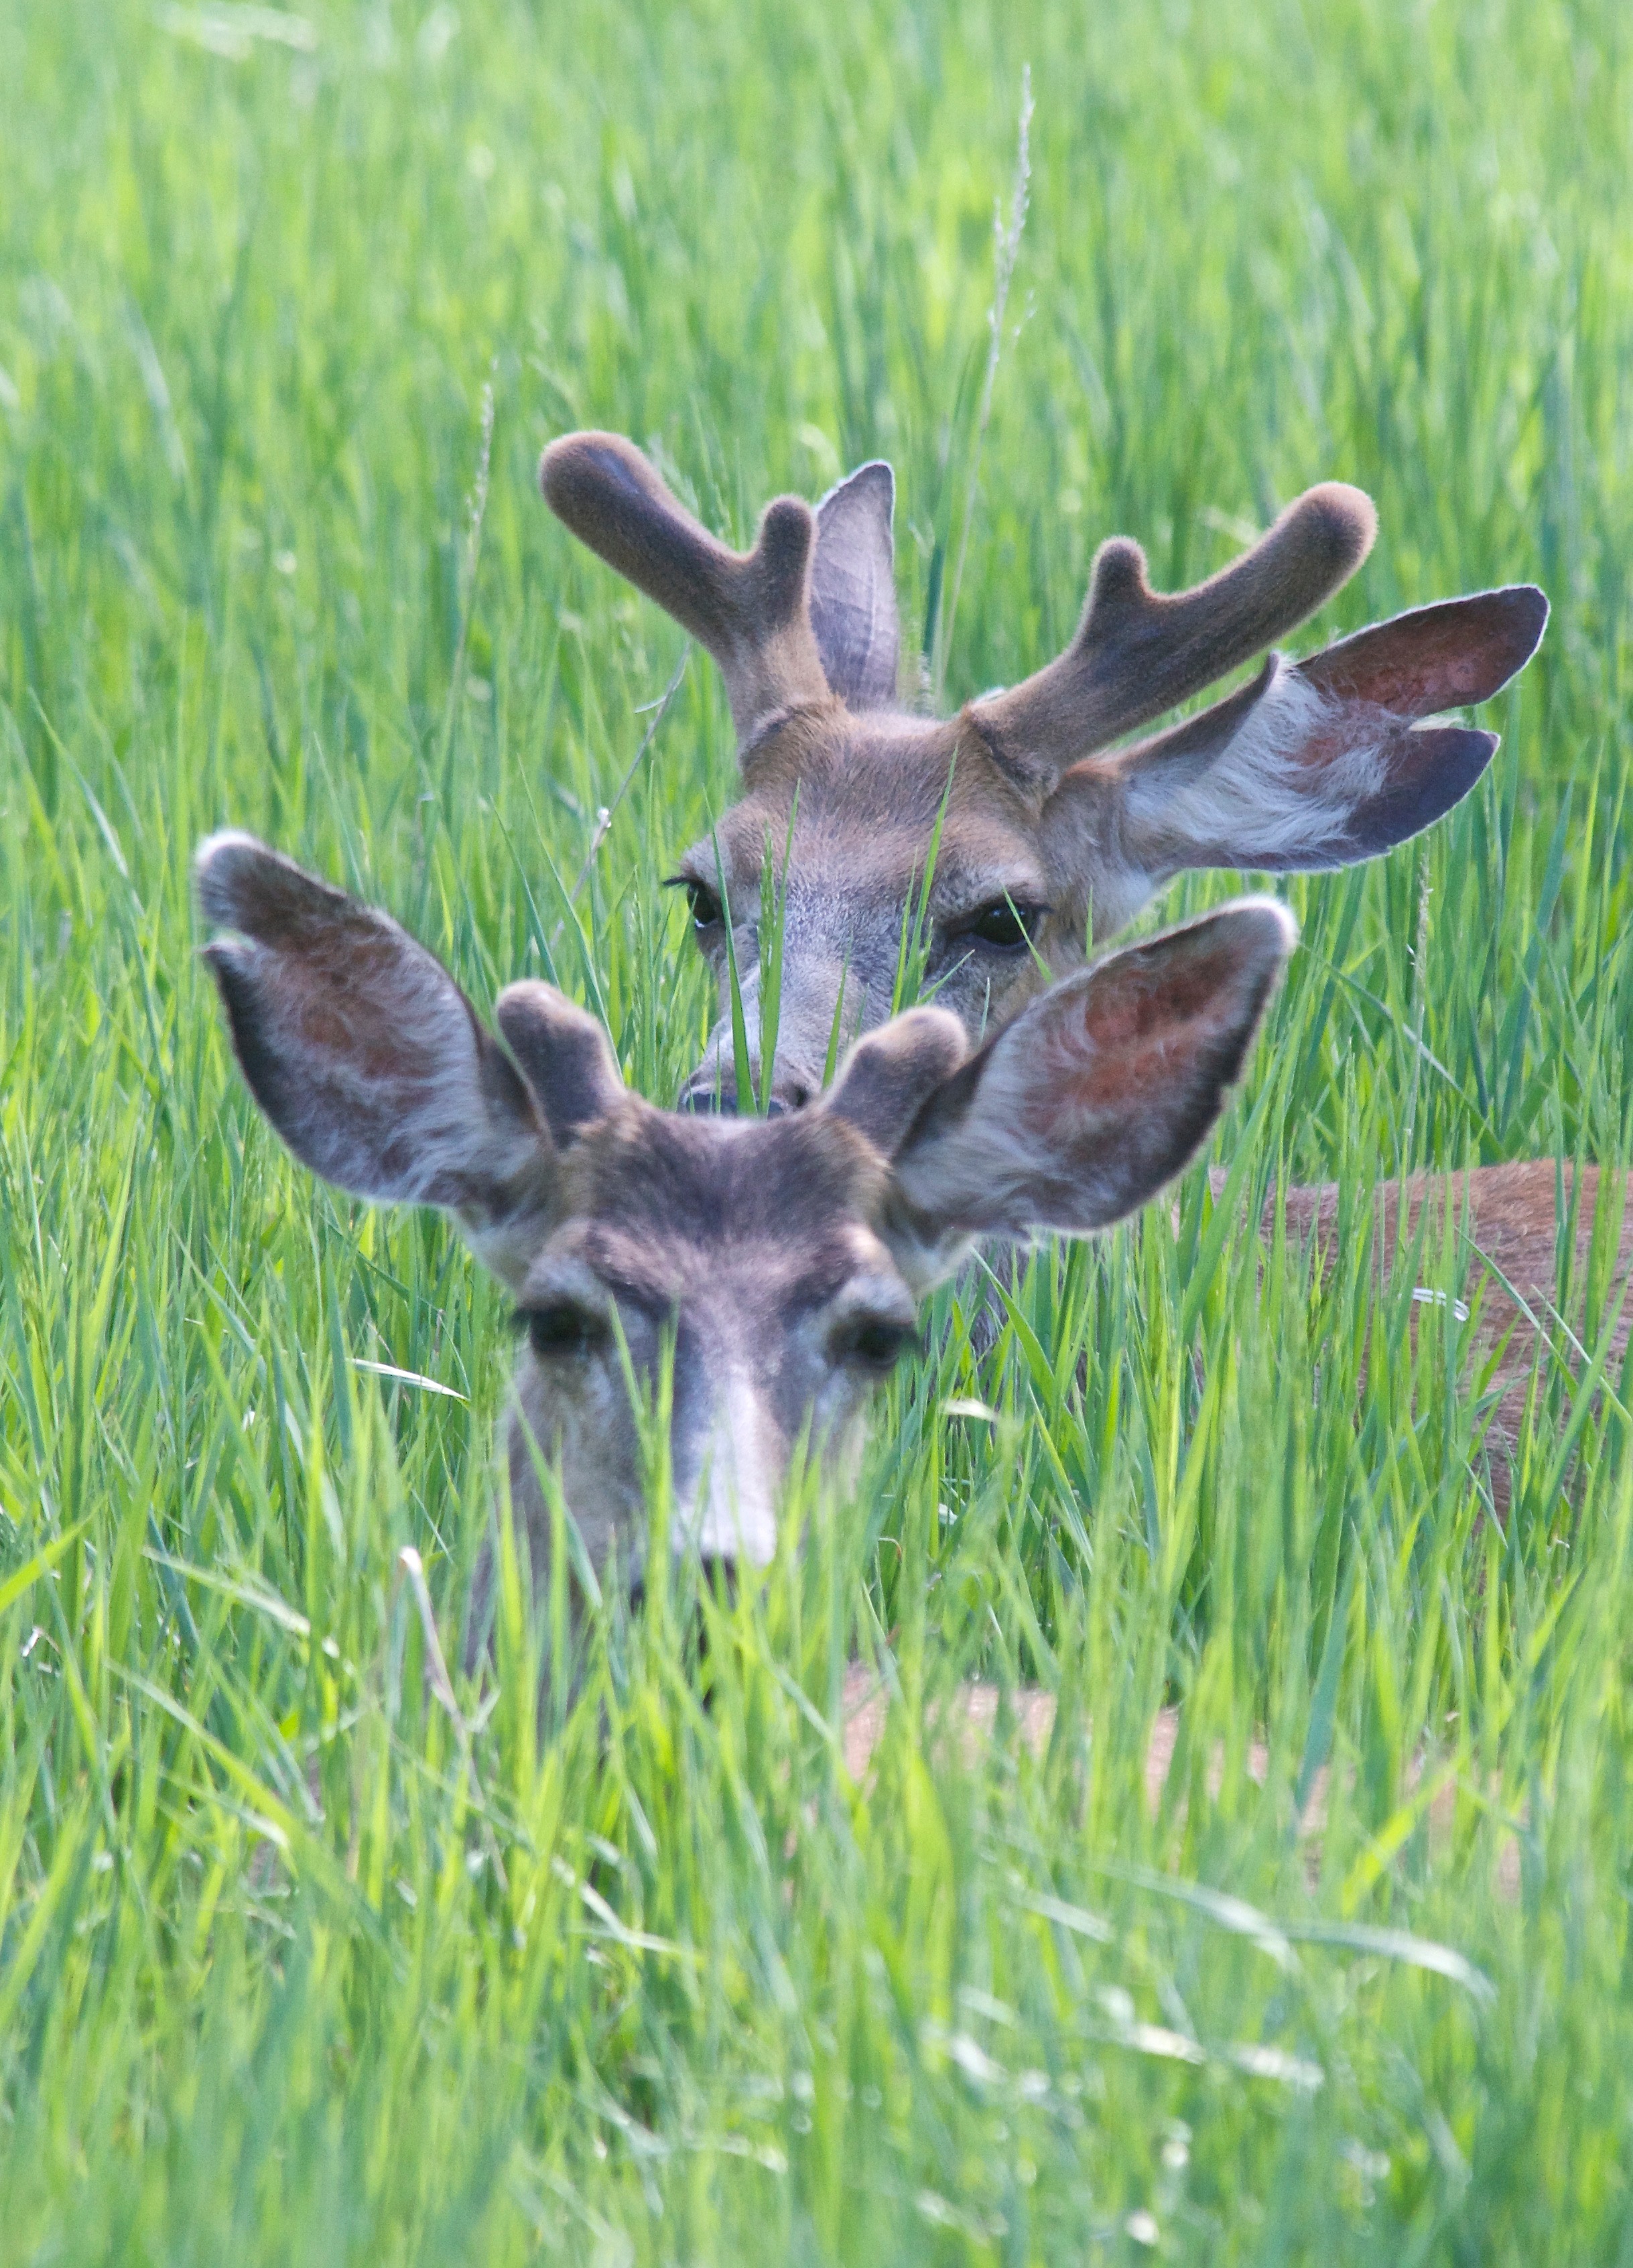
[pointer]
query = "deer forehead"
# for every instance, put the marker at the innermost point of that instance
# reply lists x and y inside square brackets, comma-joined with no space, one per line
[857,813]
[771,1219]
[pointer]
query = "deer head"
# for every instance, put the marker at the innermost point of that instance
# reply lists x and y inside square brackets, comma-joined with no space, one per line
[775,1264]
[1046,834]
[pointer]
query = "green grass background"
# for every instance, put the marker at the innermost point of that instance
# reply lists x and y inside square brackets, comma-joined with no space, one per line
[660,1983]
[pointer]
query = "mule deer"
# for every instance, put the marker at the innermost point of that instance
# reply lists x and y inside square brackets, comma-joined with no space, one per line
[780,1262]
[1045,834]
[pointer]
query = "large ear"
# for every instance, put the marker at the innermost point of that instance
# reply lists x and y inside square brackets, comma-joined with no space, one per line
[1320,764]
[367,1057]
[853,588]
[1100,1091]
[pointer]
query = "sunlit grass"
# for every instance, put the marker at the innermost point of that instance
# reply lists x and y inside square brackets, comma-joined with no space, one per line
[642,1975]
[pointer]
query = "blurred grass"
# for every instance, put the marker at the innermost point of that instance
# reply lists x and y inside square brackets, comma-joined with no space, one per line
[665,1986]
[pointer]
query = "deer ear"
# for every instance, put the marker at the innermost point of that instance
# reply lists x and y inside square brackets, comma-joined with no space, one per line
[1315,765]
[853,588]
[889,1076]
[366,1057]
[1080,1110]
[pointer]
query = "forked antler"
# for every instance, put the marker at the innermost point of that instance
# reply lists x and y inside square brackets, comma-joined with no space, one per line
[1310,766]
[1138,652]
[751,610]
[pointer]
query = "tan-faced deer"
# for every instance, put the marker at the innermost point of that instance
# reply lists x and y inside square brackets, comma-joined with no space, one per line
[1047,836]
[780,1261]
[1047,832]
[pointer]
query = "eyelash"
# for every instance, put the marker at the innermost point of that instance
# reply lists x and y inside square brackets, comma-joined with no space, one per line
[704,902]
[1021,917]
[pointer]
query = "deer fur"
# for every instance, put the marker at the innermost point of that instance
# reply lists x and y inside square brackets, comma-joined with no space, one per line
[1506,1221]
[775,1265]
[1039,819]
[1054,829]
[976,1711]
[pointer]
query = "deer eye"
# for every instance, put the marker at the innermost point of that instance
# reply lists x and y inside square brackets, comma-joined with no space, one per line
[563,1328]
[874,1342]
[706,909]
[1004,925]
[704,904]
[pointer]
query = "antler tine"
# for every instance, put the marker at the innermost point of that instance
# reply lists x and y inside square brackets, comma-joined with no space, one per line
[1138,651]
[752,610]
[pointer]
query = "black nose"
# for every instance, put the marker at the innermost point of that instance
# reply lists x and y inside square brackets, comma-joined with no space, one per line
[706,1098]
[706,1095]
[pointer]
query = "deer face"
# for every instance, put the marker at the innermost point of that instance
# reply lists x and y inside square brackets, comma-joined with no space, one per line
[769,1268]
[1018,829]
[845,813]
[746,1262]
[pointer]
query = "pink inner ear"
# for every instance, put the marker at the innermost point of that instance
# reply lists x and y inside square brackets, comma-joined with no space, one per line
[1449,656]
[1123,1039]
[333,1003]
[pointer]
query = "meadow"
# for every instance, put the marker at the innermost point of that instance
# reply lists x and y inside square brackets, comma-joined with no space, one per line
[289,304]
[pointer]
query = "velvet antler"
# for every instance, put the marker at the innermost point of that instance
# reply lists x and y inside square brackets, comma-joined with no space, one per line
[1138,652]
[750,610]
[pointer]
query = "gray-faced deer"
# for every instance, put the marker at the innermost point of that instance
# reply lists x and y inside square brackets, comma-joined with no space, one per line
[780,1260]
[1047,833]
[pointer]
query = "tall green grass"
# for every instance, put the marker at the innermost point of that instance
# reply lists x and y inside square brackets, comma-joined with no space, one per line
[655,1982]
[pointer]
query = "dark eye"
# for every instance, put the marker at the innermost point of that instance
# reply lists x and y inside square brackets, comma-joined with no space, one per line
[561,1328]
[704,902]
[1004,926]
[872,1342]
